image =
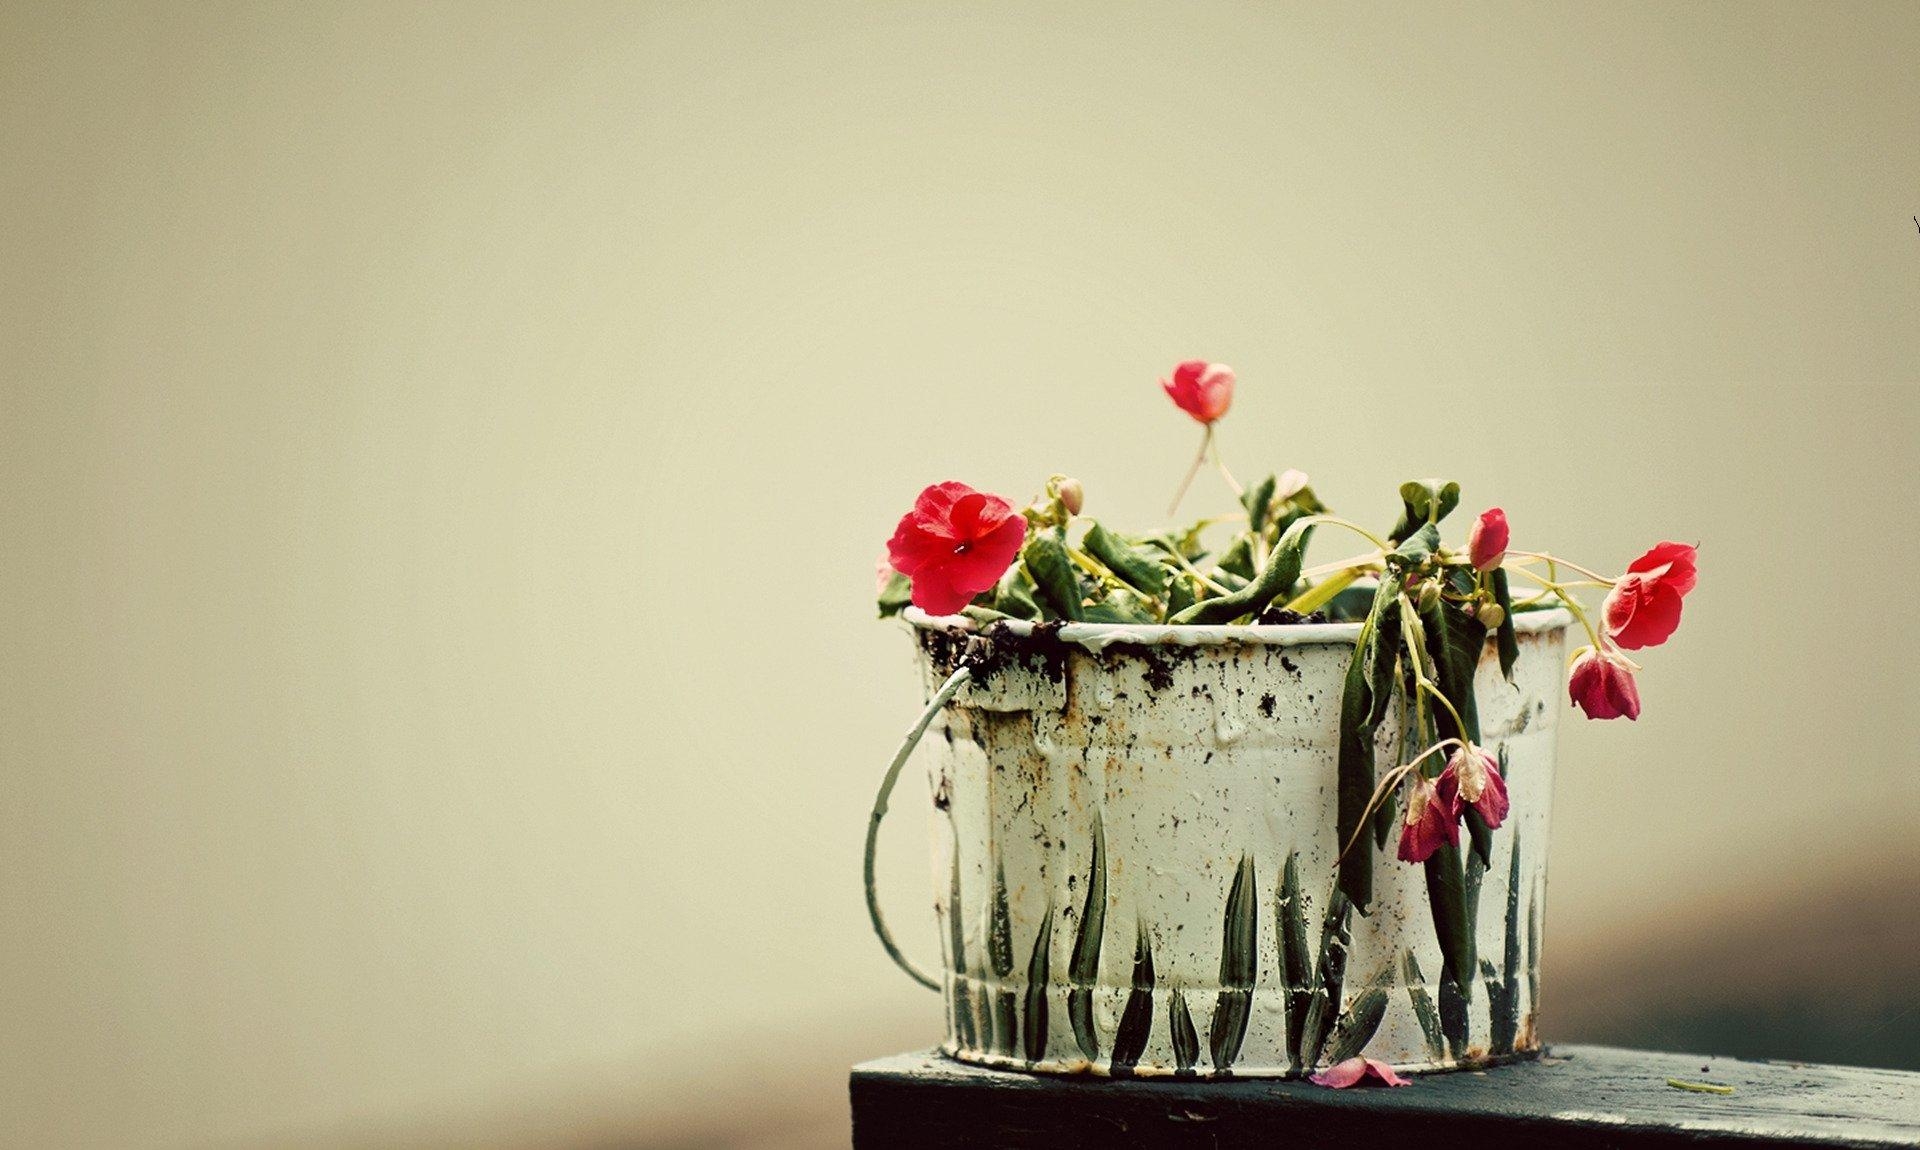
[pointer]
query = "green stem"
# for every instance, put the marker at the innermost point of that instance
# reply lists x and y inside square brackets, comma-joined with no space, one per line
[1323,592]
[1206,441]
[1382,544]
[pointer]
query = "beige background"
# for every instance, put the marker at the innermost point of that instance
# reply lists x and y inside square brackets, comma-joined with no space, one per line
[445,447]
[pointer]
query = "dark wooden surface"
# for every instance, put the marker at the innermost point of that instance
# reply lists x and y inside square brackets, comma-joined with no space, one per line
[1576,1097]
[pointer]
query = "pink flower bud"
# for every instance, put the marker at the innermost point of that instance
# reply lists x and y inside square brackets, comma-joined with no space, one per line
[1072,496]
[1487,542]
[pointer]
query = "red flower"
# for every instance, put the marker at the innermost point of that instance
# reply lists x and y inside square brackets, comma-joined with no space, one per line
[1473,778]
[1487,542]
[1354,1070]
[1644,607]
[1201,389]
[1601,684]
[954,544]
[1433,817]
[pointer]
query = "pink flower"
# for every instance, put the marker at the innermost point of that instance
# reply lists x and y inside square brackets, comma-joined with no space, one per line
[1201,389]
[1644,607]
[882,574]
[1487,542]
[1473,778]
[1601,684]
[1355,1070]
[954,544]
[1432,817]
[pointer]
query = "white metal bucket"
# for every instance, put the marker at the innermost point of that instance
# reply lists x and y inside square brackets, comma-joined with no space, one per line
[1110,802]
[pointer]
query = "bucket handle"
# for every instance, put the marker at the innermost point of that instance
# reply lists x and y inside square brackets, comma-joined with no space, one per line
[940,699]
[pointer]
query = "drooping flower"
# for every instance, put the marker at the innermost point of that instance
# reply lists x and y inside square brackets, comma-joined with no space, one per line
[1355,1070]
[1487,542]
[1432,818]
[1201,389]
[1473,779]
[954,544]
[1644,607]
[1601,684]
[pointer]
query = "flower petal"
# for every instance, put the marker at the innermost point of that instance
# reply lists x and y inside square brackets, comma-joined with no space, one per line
[1341,1075]
[1385,1073]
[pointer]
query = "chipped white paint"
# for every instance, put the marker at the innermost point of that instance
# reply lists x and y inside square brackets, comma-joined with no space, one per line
[1196,745]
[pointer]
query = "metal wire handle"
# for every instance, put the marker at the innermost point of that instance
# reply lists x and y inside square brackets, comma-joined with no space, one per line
[940,699]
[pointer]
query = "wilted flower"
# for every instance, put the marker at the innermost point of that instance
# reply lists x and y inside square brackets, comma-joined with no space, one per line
[1432,817]
[1601,684]
[1356,1069]
[1487,542]
[954,544]
[1201,389]
[1474,777]
[1644,607]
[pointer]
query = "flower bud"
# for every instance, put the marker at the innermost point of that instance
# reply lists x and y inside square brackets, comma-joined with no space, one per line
[1072,496]
[1487,542]
[1429,595]
[1490,615]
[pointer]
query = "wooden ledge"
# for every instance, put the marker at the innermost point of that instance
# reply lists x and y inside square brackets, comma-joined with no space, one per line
[1576,1097]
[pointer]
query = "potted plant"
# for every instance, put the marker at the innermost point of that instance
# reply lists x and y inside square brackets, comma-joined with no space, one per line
[1202,806]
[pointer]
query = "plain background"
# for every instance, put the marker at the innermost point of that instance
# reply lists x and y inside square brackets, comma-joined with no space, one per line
[444,449]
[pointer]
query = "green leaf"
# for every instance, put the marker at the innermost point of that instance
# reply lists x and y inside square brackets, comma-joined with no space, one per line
[1363,700]
[1039,974]
[1336,942]
[1056,584]
[1239,967]
[1453,1015]
[1013,595]
[1083,969]
[1424,501]
[1423,1011]
[1280,574]
[1258,500]
[1507,639]
[1238,559]
[1416,549]
[896,596]
[1358,1025]
[1136,1021]
[1296,960]
[1119,605]
[1447,899]
[1136,570]
[1186,1040]
[1182,593]
[1455,640]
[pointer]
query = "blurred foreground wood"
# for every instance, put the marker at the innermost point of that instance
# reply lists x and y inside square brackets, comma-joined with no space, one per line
[1576,1097]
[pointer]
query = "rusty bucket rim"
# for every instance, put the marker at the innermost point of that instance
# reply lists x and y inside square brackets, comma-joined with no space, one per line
[1099,636]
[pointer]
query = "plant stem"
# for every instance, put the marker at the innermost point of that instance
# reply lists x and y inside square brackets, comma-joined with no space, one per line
[1206,441]
[1323,592]
[1238,491]
[1370,537]
[1543,556]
